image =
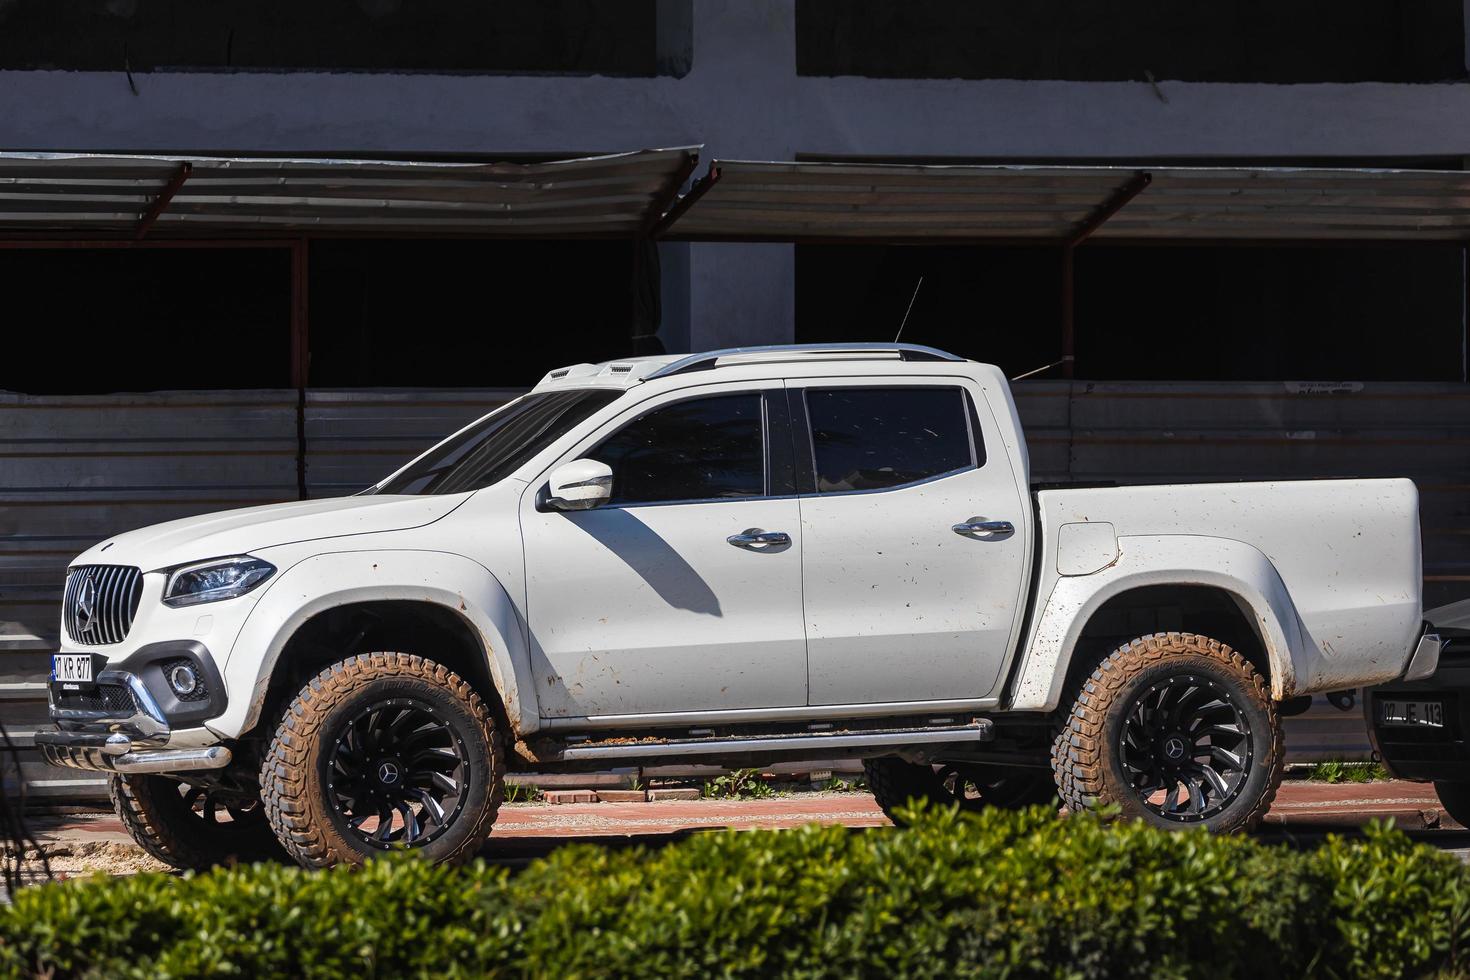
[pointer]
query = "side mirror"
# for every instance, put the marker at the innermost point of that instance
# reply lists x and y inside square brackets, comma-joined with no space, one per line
[580,485]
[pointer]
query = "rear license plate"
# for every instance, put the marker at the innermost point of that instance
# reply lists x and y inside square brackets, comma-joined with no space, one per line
[1411,714]
[75,668]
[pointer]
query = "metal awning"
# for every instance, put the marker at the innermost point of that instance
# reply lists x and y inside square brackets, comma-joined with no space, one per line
[114,195]
[752,201]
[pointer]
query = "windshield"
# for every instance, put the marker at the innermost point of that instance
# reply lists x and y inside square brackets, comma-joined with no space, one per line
[491,449]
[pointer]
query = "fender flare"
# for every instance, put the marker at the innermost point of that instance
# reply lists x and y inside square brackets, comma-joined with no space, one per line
[1234,567]
[325,581]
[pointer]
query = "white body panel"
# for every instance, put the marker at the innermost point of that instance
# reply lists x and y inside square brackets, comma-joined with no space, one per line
[683,621]
[1328,569]
[899,607]
[629,616]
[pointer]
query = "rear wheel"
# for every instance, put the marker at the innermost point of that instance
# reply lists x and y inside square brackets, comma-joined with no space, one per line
[969,786]
[379,752]
[1455,798]
[192,827]
[1176,730]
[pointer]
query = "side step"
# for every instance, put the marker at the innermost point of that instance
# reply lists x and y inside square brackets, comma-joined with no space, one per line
[980,730]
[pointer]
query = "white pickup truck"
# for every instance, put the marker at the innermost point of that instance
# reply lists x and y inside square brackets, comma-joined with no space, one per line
[734,557]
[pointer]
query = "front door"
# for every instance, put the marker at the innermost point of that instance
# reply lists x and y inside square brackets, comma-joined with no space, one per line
[662,600]
[900,605]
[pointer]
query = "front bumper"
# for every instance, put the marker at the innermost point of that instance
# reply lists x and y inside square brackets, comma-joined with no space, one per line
[118,753]
[124,720]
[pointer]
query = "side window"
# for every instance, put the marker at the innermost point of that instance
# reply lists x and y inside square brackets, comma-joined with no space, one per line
[700,449]
[875,438]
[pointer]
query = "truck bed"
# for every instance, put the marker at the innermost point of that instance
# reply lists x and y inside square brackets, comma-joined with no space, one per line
[1345,553]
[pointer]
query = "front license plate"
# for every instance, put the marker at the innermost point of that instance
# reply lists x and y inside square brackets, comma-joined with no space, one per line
[74,668]
[1411,714]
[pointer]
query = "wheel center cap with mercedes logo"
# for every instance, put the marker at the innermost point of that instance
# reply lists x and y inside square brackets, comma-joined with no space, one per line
[1174,748]
[388,773]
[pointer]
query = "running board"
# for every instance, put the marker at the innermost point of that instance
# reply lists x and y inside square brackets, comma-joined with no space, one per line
[981,730]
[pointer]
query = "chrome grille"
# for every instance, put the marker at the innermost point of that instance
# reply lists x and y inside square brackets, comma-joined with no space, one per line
[100,602]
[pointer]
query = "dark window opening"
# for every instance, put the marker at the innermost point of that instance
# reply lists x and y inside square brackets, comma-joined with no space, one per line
[1128,40]
[93,321]
[703,449]
[603,37]
[998,305]
[1362,313]
[464,314]
[497,445]
[1155,312]
[877,438]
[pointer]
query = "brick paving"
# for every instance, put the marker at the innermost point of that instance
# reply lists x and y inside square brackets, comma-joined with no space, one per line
[1299,803]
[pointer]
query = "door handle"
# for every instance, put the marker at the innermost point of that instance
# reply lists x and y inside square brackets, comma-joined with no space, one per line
[754,537]
[984,528]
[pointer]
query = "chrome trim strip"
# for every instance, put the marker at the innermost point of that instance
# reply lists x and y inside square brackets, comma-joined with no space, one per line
[799,351]
[173,760]
[979,732]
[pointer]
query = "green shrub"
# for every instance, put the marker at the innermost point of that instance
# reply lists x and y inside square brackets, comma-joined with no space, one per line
[998,894]
[740,784]
[1335,771]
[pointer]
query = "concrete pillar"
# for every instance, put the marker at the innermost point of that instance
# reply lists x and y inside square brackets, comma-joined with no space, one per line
[743,294]
[673,271]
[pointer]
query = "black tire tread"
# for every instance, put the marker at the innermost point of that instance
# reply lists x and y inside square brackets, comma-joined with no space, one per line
[145,816]
[284,773]
[1454,797]
[1079,752]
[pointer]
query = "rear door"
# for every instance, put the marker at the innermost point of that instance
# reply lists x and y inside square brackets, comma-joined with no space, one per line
[913,540]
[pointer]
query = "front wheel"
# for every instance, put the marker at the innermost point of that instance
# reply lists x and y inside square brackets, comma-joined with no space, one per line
[1176,730]
[968,786]
[379,752]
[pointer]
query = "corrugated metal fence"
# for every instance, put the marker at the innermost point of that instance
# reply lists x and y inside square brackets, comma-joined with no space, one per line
[75,469]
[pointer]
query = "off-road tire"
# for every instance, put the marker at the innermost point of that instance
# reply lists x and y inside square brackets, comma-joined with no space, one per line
[293,774]
[1086,755]
[896,784]
[159,817]
[1454,796]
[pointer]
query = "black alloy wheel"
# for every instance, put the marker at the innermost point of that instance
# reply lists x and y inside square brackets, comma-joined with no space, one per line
[398,774]
[216,807]
[1186,746]
[976,786]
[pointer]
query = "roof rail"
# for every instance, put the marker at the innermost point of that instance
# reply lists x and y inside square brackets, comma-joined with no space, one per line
[796,352]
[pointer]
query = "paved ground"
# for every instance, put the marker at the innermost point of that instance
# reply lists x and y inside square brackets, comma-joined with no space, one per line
[1303,811]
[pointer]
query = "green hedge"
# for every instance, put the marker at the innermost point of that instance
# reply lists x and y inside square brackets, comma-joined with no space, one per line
[1001,894]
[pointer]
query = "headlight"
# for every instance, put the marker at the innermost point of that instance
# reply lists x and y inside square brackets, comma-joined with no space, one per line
[210,581]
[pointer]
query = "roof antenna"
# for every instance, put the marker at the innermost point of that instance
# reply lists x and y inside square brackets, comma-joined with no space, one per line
[906,312]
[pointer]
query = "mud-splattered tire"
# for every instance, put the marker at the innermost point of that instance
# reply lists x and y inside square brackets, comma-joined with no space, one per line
[190,828]
[352,724]
[1153,717]
[896,783]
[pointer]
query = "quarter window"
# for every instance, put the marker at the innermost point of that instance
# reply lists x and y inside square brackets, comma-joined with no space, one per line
[875,438]
[701,449]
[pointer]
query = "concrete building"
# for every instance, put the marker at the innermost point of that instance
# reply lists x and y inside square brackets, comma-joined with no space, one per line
[157,359]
